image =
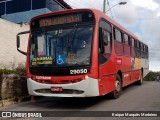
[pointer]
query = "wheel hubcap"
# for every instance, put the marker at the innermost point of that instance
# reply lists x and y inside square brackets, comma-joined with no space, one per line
[118,86]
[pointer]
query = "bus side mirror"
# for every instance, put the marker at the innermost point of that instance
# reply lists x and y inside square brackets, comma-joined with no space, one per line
[18,41]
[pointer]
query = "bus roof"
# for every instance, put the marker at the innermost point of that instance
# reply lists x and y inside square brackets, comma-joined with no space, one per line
[98,15]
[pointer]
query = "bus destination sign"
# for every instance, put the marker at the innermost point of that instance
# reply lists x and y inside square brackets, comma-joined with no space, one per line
[60,20]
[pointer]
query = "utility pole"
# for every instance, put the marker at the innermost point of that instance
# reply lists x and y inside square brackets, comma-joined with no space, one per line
[104,6]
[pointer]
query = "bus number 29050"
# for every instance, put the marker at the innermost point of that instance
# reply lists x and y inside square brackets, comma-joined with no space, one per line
[78,71]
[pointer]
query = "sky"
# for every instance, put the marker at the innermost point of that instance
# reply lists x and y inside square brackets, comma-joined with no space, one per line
[141,17]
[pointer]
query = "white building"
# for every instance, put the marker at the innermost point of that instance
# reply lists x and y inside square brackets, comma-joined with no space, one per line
[19,11]
[9,56]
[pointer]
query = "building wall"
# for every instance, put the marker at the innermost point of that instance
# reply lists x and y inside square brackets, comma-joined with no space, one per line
[23,10]
[9,56]
[15,6]
[17,11]
[24,16]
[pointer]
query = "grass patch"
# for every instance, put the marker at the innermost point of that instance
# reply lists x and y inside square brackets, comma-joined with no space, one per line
[151,76]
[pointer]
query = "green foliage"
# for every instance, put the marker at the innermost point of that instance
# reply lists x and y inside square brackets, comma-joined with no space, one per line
[151,76]
[19,71]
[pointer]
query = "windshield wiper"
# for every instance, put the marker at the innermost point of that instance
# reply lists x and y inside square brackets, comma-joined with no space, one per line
[74,35]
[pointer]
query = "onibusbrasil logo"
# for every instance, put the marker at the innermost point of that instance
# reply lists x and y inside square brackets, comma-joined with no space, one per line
[21,114]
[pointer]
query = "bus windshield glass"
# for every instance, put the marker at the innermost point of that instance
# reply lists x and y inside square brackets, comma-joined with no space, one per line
[61,47]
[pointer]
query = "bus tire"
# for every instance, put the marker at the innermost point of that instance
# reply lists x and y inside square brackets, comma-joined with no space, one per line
[118,88]
[140,81]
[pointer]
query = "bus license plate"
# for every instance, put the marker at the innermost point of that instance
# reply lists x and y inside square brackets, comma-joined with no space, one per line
[56,89]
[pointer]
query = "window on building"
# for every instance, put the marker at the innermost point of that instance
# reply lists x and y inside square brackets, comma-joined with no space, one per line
[15,6]
[2,8]
[40,4]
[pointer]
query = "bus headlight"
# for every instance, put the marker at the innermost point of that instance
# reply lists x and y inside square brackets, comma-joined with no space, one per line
[86,77]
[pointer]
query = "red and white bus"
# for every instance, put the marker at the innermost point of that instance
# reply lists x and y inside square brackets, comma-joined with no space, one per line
[81,53]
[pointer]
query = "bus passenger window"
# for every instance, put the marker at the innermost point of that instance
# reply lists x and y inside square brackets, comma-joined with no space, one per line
[118,42]
[104,45]
[132,48]
[127,50]
[107,43]
[118,35]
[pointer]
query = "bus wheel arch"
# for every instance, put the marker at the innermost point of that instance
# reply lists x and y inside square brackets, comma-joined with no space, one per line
[142,71]
[140,81]
[118,86]
[121,76]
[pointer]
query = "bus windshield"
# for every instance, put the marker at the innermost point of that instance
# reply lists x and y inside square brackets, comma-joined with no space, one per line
[61,47]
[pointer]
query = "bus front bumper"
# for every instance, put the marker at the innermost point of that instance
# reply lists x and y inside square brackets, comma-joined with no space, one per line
[85,88]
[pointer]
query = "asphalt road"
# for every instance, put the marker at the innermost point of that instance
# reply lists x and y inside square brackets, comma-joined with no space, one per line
[133,98]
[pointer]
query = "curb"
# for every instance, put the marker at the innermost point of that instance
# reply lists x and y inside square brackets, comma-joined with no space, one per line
[4,103]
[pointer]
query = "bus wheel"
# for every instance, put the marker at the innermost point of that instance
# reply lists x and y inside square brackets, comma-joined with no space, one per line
[118,88]
[140,81]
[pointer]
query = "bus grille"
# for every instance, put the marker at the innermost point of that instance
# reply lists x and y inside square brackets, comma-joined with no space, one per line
[59,82]
[65,91]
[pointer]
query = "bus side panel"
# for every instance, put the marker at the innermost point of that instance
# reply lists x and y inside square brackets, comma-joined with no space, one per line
[107,77]
[108,83]
[126,71]
[136,75]
[145,65]
[127,78]
[136,69]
